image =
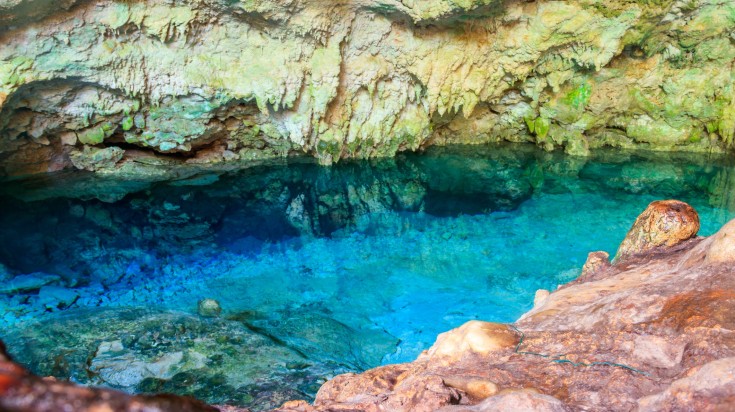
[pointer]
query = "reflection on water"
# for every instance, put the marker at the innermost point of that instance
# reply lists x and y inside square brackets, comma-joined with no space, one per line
[318,270]
[722,194]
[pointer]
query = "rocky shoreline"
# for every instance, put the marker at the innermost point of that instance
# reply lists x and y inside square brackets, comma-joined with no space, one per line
[650,331]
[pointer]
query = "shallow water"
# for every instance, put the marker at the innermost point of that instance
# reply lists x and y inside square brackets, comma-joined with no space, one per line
[318,270]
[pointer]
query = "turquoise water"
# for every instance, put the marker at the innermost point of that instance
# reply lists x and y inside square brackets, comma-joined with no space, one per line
[318,270]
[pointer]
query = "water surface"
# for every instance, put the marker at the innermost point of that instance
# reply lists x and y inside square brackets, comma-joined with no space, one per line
[318,270]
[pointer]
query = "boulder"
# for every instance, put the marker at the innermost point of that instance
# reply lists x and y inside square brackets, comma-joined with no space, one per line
[664,224]
[475,337]
[596,263]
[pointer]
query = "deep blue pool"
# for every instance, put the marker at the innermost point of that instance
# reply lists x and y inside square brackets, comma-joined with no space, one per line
[318,270]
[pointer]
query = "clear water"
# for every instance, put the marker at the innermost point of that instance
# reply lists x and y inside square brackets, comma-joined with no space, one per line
[318,270]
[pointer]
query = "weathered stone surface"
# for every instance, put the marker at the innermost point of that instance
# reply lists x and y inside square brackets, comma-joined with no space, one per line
[515,400]
[710,387]
[596,263]
[21,391]
[474,337]
[92,158]
[722,249]
[224,81]
[664,223]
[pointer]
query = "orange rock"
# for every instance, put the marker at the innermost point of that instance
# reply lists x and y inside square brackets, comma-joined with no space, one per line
[473,337]
[710,387]
[722,249]
[663,224]
[520,400]
[596,263]
[539,298]
[477,388]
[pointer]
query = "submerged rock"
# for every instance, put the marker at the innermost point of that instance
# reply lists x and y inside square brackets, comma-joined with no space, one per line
[5,273]
[26,283]
[21,391]
[144,351]
[209,308]
[322,338]
[54,297]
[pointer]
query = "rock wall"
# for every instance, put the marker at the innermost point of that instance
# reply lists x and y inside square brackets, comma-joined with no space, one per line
[95,83]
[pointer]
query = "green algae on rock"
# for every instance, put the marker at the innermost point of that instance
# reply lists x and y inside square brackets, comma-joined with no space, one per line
[216,360]
[221,80]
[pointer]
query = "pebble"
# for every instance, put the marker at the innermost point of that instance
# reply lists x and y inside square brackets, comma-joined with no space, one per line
[209,308]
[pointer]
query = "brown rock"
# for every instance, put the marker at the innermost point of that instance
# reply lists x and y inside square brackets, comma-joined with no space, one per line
[473,337]
[421,393]
[657,351]
[296,406]
[539,298]
[388,388]
[596,263]
[722,249]
[375,382]
[476,388]
[710,388]
[663,224]
[520,400]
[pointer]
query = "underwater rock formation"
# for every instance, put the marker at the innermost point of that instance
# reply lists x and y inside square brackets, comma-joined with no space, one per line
[113,85]
[241,360]
[21,391]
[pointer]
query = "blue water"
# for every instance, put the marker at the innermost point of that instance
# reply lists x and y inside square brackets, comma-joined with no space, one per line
[346,267]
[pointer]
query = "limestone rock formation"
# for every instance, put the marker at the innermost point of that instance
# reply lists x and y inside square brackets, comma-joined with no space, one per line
[474,337]
[216,81]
